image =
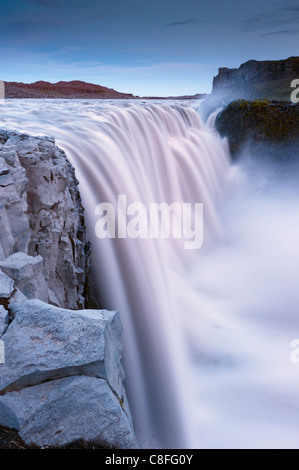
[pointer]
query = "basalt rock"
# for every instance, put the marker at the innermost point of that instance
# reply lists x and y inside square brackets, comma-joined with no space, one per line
[253,80]
[264,127]
[41,215]
[62,379]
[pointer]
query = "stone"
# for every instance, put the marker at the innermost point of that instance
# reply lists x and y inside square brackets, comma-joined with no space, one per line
[4,320]
[258,124]
[6,236]
[58,412]
[27,272]
[41,215]
[6,286]
[45,342]
[62,379]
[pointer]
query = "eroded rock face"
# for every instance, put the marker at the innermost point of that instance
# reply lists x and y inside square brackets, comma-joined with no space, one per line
[41,216]
[62,379]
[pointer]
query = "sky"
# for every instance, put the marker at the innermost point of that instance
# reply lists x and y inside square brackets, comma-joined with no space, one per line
[144,47]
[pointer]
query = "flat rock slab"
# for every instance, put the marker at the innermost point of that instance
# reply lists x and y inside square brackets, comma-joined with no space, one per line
[62,411]
[45,342]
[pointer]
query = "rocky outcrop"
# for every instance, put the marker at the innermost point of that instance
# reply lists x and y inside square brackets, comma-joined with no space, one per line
[62,379]
[61,376]
[270,79]
[43,246]
[259,124]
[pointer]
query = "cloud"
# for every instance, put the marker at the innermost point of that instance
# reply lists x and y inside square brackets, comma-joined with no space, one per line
[282,16]
[283,31]
[188,21]
[46,3]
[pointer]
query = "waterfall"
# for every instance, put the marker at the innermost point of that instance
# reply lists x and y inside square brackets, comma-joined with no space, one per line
[196,341]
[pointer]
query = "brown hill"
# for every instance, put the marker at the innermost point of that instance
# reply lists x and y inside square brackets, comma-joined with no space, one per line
[73,89]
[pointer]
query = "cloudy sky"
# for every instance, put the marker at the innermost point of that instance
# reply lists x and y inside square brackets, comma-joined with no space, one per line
[146,47]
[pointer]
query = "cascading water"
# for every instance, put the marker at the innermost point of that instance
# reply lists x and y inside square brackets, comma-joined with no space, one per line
[206,331]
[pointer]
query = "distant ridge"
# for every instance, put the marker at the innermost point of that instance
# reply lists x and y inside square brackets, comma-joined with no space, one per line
[73,89]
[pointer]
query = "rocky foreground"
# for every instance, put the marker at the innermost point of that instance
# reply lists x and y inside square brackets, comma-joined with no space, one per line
[61,378]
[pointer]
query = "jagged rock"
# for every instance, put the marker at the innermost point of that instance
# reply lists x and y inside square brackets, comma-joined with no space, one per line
[62,411]
[62,379]
[6,237]
[6,286]
[4,320]
[27,272]
[17,297]
[41,214]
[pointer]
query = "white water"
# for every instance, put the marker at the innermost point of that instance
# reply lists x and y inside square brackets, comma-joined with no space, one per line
[206,333]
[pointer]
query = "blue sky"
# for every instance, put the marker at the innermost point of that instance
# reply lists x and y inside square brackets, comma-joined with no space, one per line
[145,47]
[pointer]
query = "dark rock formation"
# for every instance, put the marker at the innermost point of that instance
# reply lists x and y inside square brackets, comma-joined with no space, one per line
[74,89]
[269,79]
[261,123]
[41,216]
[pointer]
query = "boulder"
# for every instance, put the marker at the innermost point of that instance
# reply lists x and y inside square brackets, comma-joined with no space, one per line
[261,123]
[4,320]
[62,378]
[45,342]
[62,411]
[27,272]
[6,286]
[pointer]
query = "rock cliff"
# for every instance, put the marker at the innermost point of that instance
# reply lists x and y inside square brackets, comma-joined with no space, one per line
[42,234]
[270,79]
[61,376]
